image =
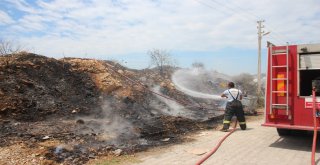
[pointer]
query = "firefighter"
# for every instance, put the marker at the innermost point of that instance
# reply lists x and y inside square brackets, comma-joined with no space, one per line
[233,107]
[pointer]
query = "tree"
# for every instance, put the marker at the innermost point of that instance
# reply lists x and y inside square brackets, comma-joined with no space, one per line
[160,58]
[198,65]
[9,47]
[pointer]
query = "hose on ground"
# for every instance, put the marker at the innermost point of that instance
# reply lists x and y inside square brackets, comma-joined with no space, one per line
[218,145]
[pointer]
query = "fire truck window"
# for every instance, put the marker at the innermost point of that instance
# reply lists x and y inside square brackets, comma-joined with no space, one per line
[306,77]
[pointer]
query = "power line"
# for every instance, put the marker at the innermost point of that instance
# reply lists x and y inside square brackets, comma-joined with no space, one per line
[228,12]
[247,12]
[245,15]
[213,7]
[280,37]
[241,15]
[276,39]
[253,18]
[237,12]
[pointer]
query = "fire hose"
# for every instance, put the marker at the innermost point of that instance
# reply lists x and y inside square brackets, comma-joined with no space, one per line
[218,145]
[315,128]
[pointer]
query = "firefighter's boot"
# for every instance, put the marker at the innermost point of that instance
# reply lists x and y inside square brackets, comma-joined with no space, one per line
[243,125]
[226,125]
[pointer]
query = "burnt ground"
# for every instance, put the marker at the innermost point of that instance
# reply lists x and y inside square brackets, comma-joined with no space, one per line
[72,110]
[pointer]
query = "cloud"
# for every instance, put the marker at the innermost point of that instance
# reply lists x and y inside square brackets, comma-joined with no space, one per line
[286,19]
[21,5]
[122,27]
[5,18]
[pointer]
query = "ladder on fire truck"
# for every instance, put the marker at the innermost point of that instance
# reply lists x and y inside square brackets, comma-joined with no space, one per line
[285,92]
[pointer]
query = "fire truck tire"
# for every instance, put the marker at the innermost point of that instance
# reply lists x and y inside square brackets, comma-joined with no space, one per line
[283,132]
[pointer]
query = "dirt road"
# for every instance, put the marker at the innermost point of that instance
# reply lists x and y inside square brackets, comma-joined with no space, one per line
[257,145]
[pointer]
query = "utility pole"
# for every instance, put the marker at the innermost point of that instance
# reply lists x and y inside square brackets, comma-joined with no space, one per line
[260,34]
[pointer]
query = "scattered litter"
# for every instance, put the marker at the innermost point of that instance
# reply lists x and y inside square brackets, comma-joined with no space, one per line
[15,124]
[58,149]
[165,139]
[117,152]
[91,156]
[45,138]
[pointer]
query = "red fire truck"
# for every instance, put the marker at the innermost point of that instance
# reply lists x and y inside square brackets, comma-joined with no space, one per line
[292,72]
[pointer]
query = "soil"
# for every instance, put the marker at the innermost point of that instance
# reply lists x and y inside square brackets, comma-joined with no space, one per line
[71,110]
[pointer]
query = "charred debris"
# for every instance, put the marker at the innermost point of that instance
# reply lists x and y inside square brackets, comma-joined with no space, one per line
[92,107]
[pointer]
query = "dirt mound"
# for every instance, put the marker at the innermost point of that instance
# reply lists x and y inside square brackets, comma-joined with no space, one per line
[33,87]
[94,107]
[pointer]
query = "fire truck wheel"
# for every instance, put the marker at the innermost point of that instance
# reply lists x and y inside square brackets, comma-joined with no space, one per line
[283,132]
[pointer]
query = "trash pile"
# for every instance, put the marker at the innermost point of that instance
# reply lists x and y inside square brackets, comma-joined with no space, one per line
[72,110]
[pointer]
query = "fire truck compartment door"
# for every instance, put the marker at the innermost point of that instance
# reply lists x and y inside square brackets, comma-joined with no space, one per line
[309,61]
[308,102]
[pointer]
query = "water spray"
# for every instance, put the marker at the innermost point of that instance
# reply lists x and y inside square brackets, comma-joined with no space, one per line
[192,81]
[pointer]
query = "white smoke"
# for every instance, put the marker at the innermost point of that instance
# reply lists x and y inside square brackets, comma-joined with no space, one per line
[172,108]
[108,125]
[116,123]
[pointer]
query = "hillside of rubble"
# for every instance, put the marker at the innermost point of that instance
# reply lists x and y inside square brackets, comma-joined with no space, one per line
[72,110]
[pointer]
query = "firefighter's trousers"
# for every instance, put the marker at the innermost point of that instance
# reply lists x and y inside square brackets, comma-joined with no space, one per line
[230,112]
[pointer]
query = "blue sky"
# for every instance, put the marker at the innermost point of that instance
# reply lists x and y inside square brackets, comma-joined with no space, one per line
[222,34]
